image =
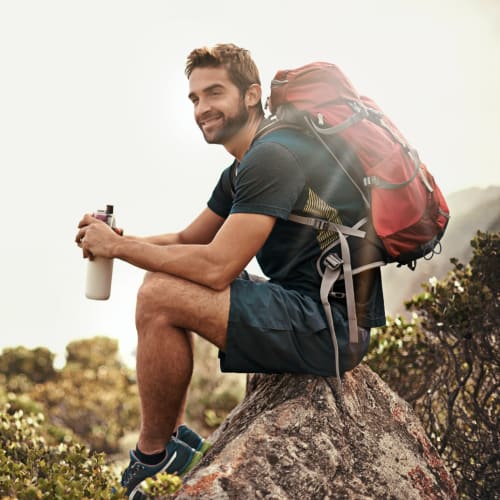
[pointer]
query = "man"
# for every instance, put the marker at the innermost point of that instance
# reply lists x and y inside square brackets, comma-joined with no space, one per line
[196,280]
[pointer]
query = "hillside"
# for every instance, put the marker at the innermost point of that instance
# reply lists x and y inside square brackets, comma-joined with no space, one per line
[471,210]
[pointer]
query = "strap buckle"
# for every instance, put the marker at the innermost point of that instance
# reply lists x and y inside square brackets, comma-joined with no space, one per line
[333,261]
[371,180]
[320,224]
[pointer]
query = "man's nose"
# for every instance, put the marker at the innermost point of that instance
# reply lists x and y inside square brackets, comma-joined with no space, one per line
[203,106]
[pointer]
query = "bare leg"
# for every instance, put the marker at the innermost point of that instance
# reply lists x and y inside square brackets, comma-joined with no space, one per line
[182,409]
[168,308]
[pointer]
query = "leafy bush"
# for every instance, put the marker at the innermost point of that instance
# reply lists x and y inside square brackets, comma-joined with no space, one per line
[93,353]
[445,362]
[94,395]
[32,469]
[35,364]
[161,485]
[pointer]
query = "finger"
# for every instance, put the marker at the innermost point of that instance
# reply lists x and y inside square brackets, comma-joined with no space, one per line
[87,255]
[86,220]
[79,236]
[83,244]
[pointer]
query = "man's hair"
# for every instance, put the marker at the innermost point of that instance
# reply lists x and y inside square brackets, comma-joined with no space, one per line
[240,66]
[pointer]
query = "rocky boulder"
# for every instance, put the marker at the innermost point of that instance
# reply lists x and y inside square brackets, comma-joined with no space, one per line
[294,437]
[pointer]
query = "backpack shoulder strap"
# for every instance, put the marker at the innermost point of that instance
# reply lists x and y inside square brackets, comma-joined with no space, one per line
[271,124]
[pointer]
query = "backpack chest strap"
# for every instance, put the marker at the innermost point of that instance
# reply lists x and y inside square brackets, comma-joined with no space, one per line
[325,225]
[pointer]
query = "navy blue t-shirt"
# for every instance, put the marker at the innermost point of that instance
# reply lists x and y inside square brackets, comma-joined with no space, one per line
[286,171]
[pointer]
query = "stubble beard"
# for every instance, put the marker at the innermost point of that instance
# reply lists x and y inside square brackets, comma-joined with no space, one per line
[230,126]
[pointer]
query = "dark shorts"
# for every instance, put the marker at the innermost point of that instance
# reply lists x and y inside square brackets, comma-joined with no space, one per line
[274,330]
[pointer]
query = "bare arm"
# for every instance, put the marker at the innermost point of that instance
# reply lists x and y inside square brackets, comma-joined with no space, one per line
[201,231]
[214,264]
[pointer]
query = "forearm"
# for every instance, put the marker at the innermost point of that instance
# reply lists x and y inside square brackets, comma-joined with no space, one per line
[201,231]
[197,263]
[160,239]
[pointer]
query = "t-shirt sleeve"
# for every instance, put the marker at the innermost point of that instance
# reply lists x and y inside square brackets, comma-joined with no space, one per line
[269,181]
[221,199]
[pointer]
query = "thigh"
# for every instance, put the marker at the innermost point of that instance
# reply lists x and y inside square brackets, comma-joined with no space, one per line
[186,305]
[274,330]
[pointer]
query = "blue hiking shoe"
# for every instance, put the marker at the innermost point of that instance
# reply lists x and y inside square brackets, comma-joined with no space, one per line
[180,459]
[190,437]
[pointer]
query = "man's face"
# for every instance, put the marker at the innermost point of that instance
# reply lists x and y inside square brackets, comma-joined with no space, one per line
[219,109]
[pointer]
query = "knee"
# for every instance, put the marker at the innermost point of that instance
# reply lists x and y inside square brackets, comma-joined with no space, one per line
[151,300]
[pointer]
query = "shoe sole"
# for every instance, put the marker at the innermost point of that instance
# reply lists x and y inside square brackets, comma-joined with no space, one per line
[194,462]
[205,447]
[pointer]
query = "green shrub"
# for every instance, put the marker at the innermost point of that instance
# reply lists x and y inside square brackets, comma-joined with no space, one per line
[35,364]
[95,397]
[32,469]
[161,485]
[396,355]
[93,353]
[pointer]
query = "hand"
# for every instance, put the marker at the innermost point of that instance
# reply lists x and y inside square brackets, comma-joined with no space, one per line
[96,238]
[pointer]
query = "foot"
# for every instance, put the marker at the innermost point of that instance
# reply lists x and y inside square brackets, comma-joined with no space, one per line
[190,437]
[180,459]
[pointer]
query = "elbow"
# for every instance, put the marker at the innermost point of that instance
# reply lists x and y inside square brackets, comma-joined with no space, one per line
[219,278]
[221,268]
[218,283]
[220,286]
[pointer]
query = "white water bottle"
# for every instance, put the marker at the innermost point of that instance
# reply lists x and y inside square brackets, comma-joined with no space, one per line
[100,269]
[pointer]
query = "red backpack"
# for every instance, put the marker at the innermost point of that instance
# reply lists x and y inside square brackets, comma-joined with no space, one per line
[408,212]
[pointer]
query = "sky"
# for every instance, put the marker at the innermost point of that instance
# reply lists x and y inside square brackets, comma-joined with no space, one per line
[94,111]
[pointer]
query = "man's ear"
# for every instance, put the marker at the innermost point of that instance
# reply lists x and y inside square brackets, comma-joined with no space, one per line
[253,95]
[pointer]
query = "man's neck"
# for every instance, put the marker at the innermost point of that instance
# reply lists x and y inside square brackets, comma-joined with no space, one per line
[238,144]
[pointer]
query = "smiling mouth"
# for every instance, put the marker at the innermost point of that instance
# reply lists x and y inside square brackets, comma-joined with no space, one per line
[210,121]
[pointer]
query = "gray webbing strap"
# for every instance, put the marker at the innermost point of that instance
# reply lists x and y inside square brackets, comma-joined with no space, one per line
[324,225]
[349,290]
[330,276]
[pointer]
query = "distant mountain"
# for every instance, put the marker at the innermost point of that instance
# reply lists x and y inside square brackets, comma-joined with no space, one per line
[471,210]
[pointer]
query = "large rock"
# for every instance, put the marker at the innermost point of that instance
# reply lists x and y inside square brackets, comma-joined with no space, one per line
[291,439]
